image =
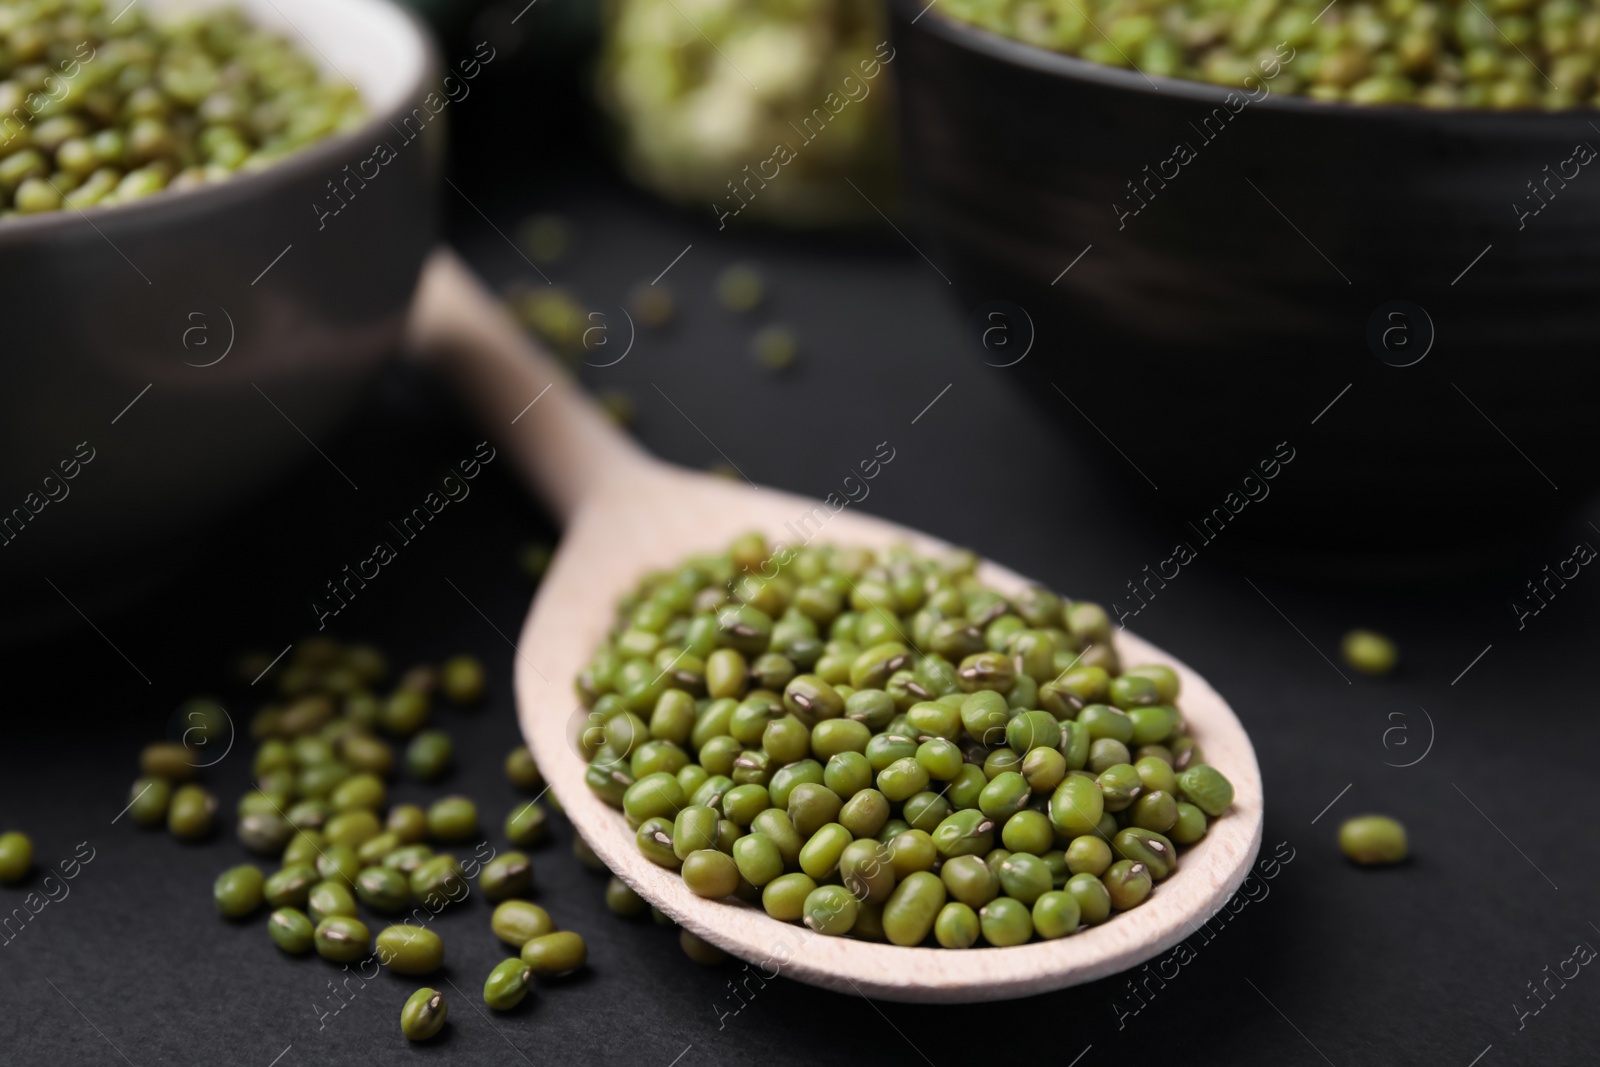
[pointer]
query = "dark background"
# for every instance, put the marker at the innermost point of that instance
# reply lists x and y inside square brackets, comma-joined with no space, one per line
[1425,963]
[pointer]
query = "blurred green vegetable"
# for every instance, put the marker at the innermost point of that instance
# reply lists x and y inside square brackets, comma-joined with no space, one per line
[755,109]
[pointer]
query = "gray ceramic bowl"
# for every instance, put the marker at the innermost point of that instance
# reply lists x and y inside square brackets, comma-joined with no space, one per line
[173,354]
[1349,285]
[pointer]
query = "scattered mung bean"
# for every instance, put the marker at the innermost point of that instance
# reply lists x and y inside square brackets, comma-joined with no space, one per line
[238,891]
[559,952]
[424,1014]
[16,856]
[192,812]
[341,939]
[507,984]
[509,874]
[516,922]
[1369,652]
[291,931]
[1373,840]
[408,949]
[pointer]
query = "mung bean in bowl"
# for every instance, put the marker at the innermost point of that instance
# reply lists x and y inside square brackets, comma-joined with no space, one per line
[1217,256]
[247,202]
[1440,54]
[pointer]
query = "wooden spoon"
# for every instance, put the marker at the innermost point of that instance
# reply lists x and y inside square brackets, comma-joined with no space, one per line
[627,513]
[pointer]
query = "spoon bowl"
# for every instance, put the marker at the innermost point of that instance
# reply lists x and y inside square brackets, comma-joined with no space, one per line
[627,513]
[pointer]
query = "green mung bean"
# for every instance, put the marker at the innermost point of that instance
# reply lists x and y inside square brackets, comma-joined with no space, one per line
[957,926]
[192,812]
[439,877]
[1206,788]
[516,922]
[522,772]
[327,899]
[290,886]
[1055,914]
[408,822]
[148,800]
[410,949]
[830,909]
[407,858]
[711,874]
[739,287]
[622,900]
[784,897]
[383,889]
[238,891]
[1094,901]
[559,952]
[507,984]
[339,863]
[1006,921]
[265,833]
[699,949]
[1369,652]
[462,679]
[526,825]
[352,829]
[424,1014]
[291,931]
[375,850]
[358,792]
[428,755]
[167,759]
[453,818]
[509,874]
[1128,883]
[16,856]
[342,939]
[1373,840]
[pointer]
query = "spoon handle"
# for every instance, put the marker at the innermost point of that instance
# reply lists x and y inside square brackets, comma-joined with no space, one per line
[560,440]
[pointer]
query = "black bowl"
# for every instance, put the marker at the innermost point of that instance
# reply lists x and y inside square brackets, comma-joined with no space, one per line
[1349,286]
[163,359]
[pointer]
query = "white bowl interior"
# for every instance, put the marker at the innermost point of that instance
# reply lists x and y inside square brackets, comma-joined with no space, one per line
[370,42]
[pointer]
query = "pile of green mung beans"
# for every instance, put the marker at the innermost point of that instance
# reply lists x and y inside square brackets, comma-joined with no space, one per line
[325,755]
[879,745]
[101,105]
[1498,54]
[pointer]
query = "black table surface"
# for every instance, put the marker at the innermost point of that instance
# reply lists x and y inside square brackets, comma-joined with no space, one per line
[1483,743]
